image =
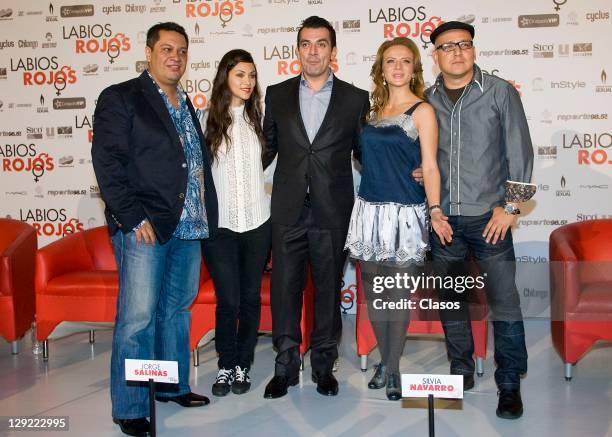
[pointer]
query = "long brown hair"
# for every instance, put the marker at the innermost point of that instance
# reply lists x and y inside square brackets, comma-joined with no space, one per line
[219,117]
[380,95]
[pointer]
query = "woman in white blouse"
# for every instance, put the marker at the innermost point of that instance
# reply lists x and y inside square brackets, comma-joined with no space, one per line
[236,256]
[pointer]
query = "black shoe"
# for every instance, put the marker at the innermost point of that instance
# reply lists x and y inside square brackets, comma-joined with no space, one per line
[242,381]
[510,405]
[186,400]
[327,385]
[277,387]
[468,380]
[138,427]
[223,383]
[394,391]
[379,380]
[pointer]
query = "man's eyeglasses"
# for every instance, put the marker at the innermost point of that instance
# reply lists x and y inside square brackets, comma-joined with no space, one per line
[450,46]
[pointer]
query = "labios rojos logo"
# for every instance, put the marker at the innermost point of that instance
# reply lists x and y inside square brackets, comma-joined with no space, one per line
[224,10]
[286,60]
[50,222]
[405,21]
[21,157]
[39,71]
[97,38]
[592,148]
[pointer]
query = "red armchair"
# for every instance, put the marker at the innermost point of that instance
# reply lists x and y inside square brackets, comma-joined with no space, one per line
[203,312]
[420,323]
[17,250]
[580,288]
[76,281]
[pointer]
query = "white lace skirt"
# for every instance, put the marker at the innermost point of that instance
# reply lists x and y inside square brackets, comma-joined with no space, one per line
[388,232]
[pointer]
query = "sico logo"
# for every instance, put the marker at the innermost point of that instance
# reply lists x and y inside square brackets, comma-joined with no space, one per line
[224,9]
[197,89]
[50,222]
[286,60]
[24,157]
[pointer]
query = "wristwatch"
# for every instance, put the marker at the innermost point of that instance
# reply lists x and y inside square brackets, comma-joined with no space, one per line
[511,209]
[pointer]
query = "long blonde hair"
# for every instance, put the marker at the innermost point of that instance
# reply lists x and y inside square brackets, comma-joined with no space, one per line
[380,95]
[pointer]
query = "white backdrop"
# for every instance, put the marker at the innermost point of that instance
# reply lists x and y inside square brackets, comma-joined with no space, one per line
[56,57]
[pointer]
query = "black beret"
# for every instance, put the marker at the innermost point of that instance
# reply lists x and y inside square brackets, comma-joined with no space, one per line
[450,25]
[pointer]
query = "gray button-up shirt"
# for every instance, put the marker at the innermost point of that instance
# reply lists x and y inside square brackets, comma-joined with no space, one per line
[483,142]
[313,105]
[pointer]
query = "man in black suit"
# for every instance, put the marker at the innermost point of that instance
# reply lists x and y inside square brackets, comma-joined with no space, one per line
[312,122]
[154,174]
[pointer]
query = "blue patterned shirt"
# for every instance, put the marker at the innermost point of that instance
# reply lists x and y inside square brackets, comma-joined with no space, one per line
[193,223]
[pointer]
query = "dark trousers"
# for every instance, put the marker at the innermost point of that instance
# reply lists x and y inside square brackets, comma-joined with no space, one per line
[293,248]
[236,261]
[496,262]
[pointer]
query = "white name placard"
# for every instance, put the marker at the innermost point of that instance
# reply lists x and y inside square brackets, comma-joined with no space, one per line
[158,371]
[441,386]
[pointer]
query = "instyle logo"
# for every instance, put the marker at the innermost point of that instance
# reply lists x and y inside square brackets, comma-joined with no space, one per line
[50,221]
[538,20]
[568,85]
[76,11]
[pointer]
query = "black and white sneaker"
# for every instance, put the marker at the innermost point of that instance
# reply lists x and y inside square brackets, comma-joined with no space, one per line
[242,381]
[223,383]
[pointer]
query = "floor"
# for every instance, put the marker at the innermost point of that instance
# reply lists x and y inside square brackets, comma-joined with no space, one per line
[75,383]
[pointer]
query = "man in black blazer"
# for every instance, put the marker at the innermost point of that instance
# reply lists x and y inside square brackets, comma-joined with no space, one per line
[152,166]
[312,122]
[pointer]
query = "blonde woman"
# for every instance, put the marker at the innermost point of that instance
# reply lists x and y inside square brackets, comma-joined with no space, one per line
[388,231]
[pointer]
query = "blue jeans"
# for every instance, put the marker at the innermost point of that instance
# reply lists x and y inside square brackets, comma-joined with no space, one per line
[497,263]
[157,283]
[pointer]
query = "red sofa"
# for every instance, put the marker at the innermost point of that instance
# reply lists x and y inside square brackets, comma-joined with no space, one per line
[17,250]
[76,281]
[580,288]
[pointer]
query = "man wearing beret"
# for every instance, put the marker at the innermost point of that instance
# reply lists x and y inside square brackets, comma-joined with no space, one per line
[485,158]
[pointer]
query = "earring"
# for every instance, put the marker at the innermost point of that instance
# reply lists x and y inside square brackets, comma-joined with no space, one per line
[412,81]
[384,81]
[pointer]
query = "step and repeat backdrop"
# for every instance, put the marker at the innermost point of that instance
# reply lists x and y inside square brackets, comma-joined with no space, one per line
[56,57]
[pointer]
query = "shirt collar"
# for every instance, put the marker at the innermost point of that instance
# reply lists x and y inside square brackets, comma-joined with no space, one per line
[328,83]
[477,78]
[179,88]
